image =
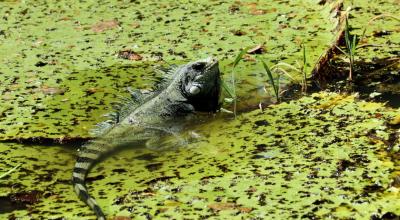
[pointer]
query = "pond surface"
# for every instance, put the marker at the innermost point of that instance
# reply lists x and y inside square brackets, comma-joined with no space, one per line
[322,155]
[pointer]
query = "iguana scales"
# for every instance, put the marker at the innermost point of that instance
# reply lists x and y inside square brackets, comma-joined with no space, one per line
[188,88]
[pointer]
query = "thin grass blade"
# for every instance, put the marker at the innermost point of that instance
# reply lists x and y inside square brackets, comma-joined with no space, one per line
[239,57]
[227,89]
[304,58]
[277,87]
[304,70]
[344,52]
[347,36]
[270,78]
[10,171]
[353,45]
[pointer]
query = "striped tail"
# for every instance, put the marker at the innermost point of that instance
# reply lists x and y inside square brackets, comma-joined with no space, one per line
[89,154]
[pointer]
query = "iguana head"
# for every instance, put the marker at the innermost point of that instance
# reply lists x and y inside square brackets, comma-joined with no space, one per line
[200,84]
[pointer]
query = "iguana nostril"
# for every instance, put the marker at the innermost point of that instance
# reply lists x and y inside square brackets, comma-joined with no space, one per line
[198,77]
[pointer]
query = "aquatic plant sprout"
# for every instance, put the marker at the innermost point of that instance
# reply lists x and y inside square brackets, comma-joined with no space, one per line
[299,69]
[351,46]
[274,82]
[352,43]
[232,91]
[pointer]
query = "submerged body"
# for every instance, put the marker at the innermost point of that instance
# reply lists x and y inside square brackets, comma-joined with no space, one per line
[191,87]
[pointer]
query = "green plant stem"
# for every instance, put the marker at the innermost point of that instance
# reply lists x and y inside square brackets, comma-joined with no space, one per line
[238,58]
[227,89]
[351,46]
[10,171]
[304,69]
[233,91]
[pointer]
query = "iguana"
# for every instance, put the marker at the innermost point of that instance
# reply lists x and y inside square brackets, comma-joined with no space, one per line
[188,88]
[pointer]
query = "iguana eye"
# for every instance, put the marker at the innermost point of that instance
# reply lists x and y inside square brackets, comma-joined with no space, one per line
[198,66]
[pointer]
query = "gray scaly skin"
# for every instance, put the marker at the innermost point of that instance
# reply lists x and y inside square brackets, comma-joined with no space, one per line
[191,87]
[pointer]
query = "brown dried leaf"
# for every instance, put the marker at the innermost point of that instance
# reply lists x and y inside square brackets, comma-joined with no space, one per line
[222,206]
[249,58]
[197,46]
[245,209]
[93,90]
[135,25]
[233,8]
[129,55]
[121,218]
[104,26]
[26,197]
[51,90]
[258,49]
[238,32]
[255,11]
